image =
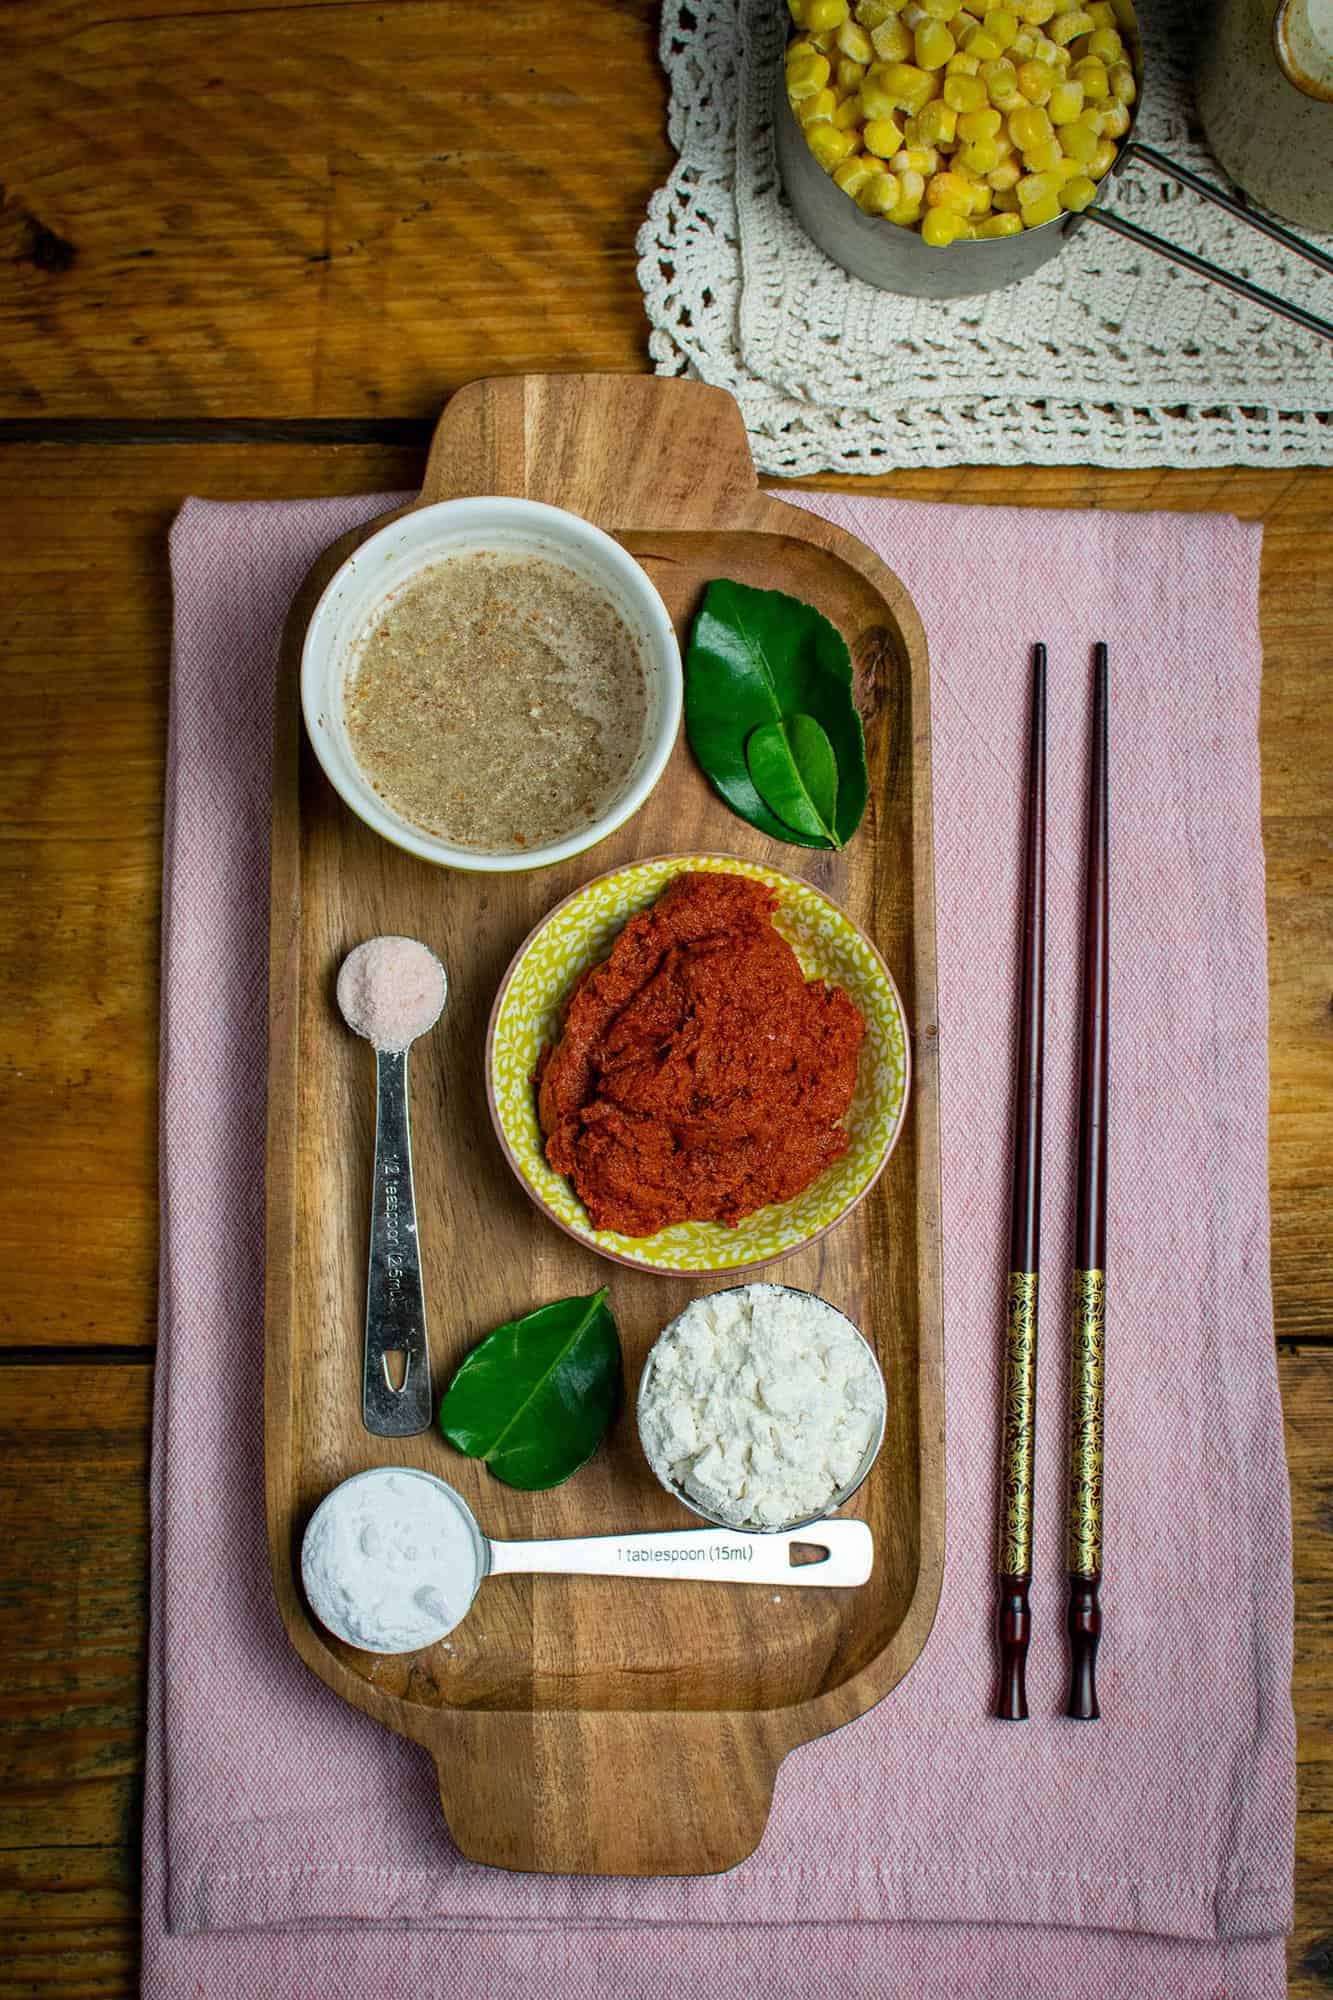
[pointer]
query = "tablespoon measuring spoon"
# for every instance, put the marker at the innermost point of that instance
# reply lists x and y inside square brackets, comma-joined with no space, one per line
[392,990]
[393,1558]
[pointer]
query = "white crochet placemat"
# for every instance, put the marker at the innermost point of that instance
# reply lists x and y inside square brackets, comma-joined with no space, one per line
[1109,355]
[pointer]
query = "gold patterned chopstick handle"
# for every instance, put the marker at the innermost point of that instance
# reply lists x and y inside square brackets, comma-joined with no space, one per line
[1020,1426]
[1014,1554]
[1087,1388]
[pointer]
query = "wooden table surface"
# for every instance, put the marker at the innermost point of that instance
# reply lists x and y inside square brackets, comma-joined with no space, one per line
[248,252]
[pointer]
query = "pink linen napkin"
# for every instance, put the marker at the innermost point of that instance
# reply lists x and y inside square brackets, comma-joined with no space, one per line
[292,1847]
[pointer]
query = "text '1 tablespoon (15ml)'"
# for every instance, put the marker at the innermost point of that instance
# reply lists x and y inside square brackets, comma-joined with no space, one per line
[393,1558]
[391,990]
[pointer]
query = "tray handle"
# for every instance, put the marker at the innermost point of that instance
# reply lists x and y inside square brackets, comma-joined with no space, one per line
[604,1792]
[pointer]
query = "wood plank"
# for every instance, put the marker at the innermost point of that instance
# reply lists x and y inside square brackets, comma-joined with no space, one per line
[83,683]
[78,1514]
[83,669]
[189,228]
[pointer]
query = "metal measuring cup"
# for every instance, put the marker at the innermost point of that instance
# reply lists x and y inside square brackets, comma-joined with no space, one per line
[899,260]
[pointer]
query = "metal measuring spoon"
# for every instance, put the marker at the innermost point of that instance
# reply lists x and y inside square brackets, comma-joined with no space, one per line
[392,990]
[393,1558]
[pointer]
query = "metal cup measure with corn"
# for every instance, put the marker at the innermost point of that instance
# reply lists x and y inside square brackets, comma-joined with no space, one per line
[910,128]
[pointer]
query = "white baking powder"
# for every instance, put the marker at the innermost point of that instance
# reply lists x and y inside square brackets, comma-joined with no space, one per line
[760,1404]
[390,1561]
[391,989]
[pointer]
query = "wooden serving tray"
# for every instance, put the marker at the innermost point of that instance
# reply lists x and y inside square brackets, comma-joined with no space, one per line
[585,1725]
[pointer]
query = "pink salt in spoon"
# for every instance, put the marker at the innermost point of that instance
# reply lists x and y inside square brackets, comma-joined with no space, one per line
[392,990]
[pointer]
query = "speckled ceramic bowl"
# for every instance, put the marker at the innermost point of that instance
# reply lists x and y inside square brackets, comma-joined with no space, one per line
[580,932]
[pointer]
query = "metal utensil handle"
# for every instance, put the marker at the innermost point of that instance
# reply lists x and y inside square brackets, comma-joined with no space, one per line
[701,1555]
[395,1301]
[1200,265]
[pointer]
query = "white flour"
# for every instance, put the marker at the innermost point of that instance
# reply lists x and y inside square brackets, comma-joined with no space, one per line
[760,1404]
[390,1561]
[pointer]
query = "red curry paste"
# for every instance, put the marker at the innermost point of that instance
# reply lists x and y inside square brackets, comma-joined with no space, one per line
[698,1075]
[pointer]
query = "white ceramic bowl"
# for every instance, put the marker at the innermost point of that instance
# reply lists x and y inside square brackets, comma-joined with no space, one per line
[356,594]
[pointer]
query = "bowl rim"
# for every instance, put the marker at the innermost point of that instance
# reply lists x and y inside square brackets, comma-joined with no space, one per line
[588,1238]
[842,1494]
[663,659]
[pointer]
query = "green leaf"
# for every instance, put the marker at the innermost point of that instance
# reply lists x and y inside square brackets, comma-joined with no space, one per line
[756,658]
[796,774]
[535,1398]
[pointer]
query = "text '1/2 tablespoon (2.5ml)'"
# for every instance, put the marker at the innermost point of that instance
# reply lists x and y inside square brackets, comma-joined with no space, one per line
[391,990]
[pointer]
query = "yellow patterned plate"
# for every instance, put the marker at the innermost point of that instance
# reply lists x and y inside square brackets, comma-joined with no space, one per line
[578,933]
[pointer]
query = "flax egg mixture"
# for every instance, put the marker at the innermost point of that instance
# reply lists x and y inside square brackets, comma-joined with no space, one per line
[698,1075]
[499,701]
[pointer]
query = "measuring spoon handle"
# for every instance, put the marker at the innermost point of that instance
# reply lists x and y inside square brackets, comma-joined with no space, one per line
[702,1555]
[395,1396]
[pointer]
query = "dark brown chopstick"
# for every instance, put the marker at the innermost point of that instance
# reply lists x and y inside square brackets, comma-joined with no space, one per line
[1087,1359]
[1014,1558]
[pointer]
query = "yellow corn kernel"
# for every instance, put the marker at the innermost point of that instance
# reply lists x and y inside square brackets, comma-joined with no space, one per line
[818,109]
[1024,46]
[1121,79]
[826,42]
[882,137]
[1001,24]
[1096,83]
[915,160]
[1000,225]
[937,124]
[851,175]
[1065,103]
[1043,159]
[1106,45]
[1065,169]
[848,76]
[1078,193]
[1102,160]
[940,227]
[1064,28]
[800,46]
[982,45]
[1004,178]
[1029,128]
[911,86]
[853,41]
[961,23]
[871,13]
[822,14]
[964,93]
[1046,51]
[1079,141]
[829,145]
[1001,81]
[932,45]
[983,124]
[982,197]
[1005,201]
[1102,12]
[982,156]
[1034,213]
[911,189]
[847,117]
[892,40]
[962,65]
[906,215]
[1036,13]
[796,8]
[1036,80]
[875,100]
[949,191]
[807,76]
[879,194]
[938,10]
[1114,119]
[1035,187]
